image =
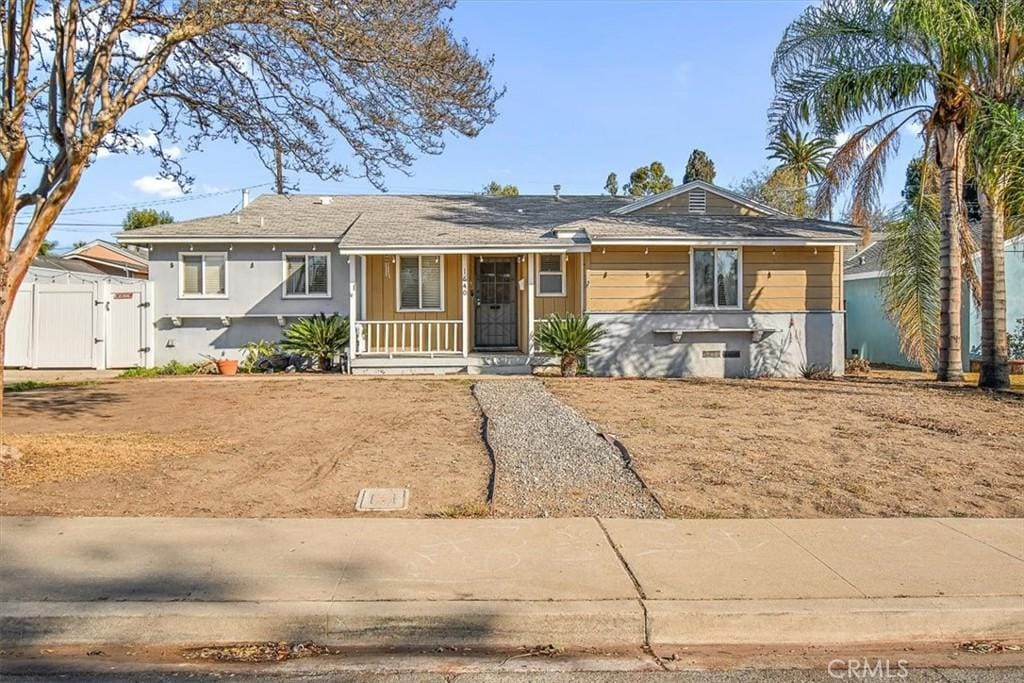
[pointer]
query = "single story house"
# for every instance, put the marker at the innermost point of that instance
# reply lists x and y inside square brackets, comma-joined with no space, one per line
[695,281]
[112,259]
[871,334]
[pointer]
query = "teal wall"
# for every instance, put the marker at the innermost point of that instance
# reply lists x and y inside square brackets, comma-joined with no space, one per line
[868,330]
[1014,291]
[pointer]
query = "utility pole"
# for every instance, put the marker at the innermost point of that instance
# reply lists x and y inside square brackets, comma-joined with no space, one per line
[278,167]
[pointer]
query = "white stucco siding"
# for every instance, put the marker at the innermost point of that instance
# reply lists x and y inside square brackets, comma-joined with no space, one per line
[632,346]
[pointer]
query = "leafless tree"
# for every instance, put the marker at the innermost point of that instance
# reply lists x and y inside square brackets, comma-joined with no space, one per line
[385,78]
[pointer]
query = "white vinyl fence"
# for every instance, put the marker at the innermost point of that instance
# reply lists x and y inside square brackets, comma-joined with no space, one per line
[73,322]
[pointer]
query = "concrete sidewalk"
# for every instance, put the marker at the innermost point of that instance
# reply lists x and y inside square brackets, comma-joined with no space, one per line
[577,583]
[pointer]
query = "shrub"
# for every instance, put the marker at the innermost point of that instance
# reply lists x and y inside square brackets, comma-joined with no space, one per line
[812,371]
[172,368]
[1015,340]
[319,337]
[858,366]
[571,337]
[254,352]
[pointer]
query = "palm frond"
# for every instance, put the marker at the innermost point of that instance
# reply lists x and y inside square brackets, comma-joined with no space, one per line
[910,259]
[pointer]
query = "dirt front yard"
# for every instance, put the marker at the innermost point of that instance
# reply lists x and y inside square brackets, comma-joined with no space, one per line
[776,448]
[256,447]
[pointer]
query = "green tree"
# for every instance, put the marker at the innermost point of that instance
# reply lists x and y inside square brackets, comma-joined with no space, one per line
[496,189]
[611,184]
[802,157]
[47,247]
[780,189]
[78,244]
[143,218]
[699,167]
[892,63]
[648,180]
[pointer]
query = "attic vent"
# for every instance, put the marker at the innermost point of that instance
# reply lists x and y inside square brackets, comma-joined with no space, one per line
[698,201]
[323,200]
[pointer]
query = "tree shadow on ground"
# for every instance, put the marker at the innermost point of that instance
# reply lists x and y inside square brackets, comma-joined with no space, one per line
[61,402]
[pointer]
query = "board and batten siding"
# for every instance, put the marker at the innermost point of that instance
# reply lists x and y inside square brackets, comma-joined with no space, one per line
[381,276]
[634,278]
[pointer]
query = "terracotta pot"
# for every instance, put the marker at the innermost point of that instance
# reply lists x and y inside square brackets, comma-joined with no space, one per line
[227,367]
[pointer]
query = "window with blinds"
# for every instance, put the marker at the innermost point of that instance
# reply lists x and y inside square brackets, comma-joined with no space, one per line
[203,275]
[420,283]
[307,275]
[551,275]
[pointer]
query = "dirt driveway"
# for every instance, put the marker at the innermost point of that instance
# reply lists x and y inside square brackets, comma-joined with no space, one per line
[255,447]
[777,448]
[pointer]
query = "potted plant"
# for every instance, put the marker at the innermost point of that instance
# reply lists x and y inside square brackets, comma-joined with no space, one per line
[319,337]
[227,366]
[570,337]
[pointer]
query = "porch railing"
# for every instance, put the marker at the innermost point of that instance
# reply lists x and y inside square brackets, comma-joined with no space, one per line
[408,337]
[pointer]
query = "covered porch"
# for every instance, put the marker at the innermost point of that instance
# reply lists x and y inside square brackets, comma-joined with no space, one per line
[444,311]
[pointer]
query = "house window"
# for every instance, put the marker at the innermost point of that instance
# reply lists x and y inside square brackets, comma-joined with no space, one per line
[698,201]
[716,278]
[307,275]
[420,283]
[551,280]
[203,275]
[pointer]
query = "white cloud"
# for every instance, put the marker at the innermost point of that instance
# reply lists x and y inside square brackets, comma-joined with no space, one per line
[172,152]
[915,127]
[162,187]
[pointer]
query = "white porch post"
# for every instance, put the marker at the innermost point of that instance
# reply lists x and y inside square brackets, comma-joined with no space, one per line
[529,303]
[353,328]
[465,305]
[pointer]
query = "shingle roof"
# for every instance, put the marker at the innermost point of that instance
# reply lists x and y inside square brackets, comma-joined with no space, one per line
[380,221]
[58,263]
[867,260]
[685,226]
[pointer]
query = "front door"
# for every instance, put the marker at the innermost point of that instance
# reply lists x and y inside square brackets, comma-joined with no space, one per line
[495,319]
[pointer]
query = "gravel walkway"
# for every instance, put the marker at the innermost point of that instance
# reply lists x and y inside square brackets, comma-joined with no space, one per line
[548,460]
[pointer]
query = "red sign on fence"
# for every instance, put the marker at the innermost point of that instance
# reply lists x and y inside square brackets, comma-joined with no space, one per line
[123,295]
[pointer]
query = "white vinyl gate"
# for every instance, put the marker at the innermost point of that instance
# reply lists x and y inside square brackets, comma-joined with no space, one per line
[102,324]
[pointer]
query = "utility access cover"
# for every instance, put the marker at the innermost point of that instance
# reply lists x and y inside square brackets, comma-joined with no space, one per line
[382,500]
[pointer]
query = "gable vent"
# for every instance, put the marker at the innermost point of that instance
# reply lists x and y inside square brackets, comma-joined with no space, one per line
[698,201]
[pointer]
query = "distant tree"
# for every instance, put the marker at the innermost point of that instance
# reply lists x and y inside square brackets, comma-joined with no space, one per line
[496,189]
[79,244]
[780,189]
[648,180]
[611,184]
[804,157]
[47,247]
[699,167]
[143,218]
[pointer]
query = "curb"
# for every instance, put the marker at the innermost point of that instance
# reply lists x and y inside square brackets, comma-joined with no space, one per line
[612,625]
[401,624]
[834,620]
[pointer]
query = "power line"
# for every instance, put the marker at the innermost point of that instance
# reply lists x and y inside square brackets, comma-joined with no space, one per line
[102,208]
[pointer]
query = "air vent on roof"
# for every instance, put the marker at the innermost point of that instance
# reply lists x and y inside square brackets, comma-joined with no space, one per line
[698,201]
[323,200]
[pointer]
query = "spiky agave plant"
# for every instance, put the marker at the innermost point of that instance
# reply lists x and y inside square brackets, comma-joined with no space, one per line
[320,337]
[570,337]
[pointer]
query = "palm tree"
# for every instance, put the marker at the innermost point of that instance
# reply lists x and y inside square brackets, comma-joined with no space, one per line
[997,138]
[803,157]
[893,63]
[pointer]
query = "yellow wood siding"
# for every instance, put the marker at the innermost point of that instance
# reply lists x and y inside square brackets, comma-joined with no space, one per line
[568,302]
[792,279]
[716,206]
[638,279]
[381,275]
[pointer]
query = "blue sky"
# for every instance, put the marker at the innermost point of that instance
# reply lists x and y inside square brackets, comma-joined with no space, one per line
[593,87]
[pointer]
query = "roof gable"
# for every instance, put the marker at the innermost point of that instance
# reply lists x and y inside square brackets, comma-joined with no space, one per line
[664,197]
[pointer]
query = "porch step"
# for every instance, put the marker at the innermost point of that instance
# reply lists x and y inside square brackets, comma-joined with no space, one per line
[475,364]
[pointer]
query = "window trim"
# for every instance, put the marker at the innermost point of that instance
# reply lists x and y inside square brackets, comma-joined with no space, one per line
[181,274]
[563,272]
[739,280]
[419,265]
[284,275]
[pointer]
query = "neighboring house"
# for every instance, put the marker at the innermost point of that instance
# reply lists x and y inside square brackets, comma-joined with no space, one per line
[694,281]
[112,259]
[871,334]
[70,314]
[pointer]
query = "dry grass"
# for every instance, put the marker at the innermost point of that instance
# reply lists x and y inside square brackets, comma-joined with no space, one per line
[798,448]
[63,457]
[287,446]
